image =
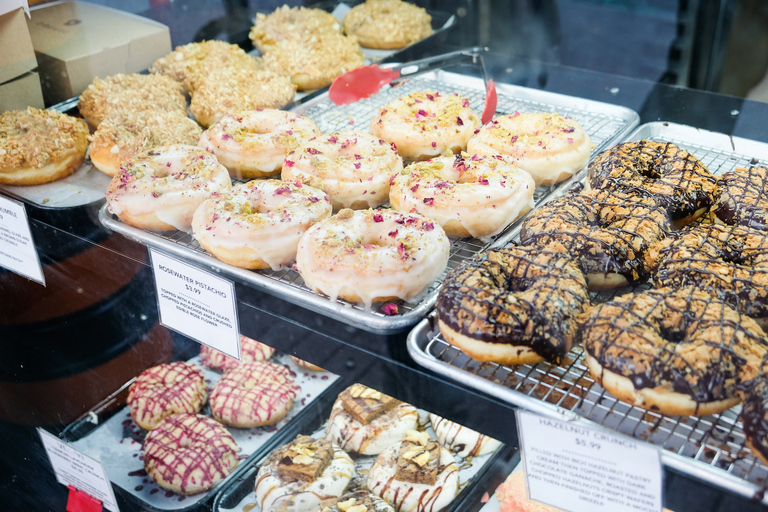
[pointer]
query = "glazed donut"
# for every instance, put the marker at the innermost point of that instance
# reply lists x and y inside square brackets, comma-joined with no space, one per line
[190,63]
[189,453]
[730,262]
[253,143]
[423,125]
[231,91]
[306,365]
[286,24]
[258,224]
[354,168]
[387,24]
[160,189]
[376,420]
[514,305]
[674,351]
[124,135]
[130,93]
[477,197]
[460,440]
[253,395]
[609,232]
[251,351]
[165,390]
[40,146]
[679,182]
[372,255]
[550,147]
[303,476]
[743,199]
[409,496]
[360,501]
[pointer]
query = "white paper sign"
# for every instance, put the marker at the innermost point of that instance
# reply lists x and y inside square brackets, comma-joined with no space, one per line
[196,303]
[78,470]
[580,469]
[17,249]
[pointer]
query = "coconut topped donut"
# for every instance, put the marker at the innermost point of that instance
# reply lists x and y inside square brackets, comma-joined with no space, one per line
[743,198]
[424,124]
[679,182]
[388,24]
[675,351]
[548,146]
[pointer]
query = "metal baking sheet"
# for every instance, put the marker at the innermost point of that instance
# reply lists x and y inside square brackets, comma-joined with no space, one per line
[114,442]
[604,123]
[710,448]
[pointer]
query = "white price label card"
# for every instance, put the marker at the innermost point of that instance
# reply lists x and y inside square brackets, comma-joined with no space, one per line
[196,303]
[580,469]
[78,470]
[17,249]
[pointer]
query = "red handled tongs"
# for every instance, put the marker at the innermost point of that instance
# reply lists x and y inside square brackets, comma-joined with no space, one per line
[364,81]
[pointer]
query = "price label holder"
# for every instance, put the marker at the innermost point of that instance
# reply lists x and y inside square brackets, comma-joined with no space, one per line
[17,249]
[89,486]
[580,469]
[196,303]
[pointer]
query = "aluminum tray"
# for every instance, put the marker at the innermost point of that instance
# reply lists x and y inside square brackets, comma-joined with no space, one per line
[710,448]
[604,123]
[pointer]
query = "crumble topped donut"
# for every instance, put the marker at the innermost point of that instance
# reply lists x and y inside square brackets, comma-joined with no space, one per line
[353,168]
[609,232]
[130,93]
[729,262]
[360,501]
[754,413]
[162,188]
[675,351]
[514,305]
[372,255]
[189,453]
[367,421]
[477,196]
[551,148]
[460,440]
[303,476]
[165,390]
[286,24]
[415,474]
[679,182]
[251,351]
[190,63]
[258,224]
[743,199]
[388,24]
[124,135]
[253,395]
[423,125]
[253,143]
[40,146]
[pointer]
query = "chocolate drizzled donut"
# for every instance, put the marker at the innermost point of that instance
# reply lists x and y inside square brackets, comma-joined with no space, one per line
[679,182]
[679,352]
[729,262]
[754,414]
[608,232]
[743,198]
[513,305]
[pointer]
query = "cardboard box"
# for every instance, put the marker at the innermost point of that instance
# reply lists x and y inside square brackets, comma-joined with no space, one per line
[75,42]
[17,55]
[21,93]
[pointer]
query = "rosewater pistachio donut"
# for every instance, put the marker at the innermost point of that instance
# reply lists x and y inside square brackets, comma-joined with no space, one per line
[251,351]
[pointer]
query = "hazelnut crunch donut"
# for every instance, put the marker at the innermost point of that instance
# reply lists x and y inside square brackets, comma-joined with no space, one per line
[513,305]
[743,199]
[674,351]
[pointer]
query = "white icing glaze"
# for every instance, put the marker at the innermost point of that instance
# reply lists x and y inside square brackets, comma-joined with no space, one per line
[462,441]
[376,436]
[273,494]
[424,124]
[261,219]
[352,167]
[254,143]
[251,351]
[484,194]
[410,497]
[170,181]
[546,145]
[372,253]
[379,505]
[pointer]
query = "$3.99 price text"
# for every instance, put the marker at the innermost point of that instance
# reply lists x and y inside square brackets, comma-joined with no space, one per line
[192,289]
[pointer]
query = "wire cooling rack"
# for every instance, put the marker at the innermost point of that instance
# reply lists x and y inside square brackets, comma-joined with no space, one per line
[711,448]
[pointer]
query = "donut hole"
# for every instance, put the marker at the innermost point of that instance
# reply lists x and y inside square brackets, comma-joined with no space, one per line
[673,333]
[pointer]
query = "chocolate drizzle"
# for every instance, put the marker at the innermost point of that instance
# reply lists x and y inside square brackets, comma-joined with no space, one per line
[744,198]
